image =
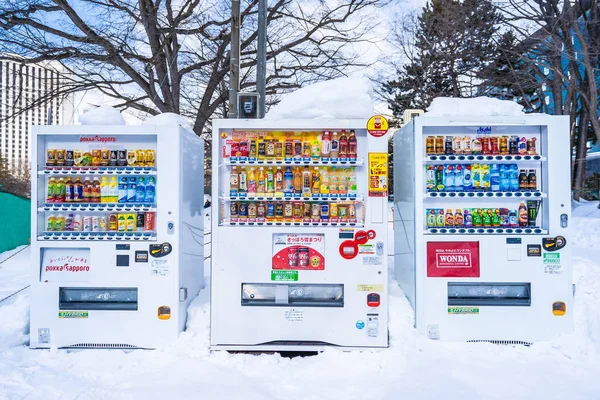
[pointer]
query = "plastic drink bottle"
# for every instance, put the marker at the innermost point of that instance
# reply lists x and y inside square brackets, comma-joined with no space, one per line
[243,182]
[325,145]
[113,189]
[352,189]
[495,178]
[51,191]
[343,181]
[297,180]
[316,182]
[467,179]
[150,190]
[279,180]
[260,187]
[60,191]
[234,181]
[270,181]
[78,187]
[352,144]
[131,190]
[334,182]
[288,177]
[504,181]
[306,182]
[324,182]
[69,190]
[252,182]
[335,146]
[140,190]
[458,178]
[449,178]
[104,191]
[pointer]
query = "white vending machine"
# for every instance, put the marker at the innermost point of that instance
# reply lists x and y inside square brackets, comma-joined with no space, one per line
[299,245]
[117,234]
[481,220]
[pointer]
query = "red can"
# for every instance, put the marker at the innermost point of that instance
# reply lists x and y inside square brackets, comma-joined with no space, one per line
[303,258]
[494,145]
[292,257]
[485,145]
[149,221]
[244,148]
[235,149]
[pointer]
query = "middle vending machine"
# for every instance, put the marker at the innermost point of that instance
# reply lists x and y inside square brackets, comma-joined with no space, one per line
[299,249]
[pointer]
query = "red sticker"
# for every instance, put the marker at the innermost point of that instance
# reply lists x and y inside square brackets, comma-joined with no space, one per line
[453,259]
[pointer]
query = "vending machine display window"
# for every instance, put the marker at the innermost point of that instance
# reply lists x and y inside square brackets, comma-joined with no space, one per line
[114,299]
[489,294]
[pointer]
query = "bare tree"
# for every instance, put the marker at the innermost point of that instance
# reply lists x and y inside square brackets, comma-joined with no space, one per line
[173,56]
[15,177]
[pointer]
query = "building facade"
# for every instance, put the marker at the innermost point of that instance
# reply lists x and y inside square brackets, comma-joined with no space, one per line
[22,86]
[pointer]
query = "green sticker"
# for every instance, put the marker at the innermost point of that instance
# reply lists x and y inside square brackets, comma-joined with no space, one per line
[72,314]
[463,310]
[551,258]
[283,276]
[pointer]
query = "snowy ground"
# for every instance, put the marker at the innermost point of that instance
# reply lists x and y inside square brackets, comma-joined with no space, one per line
[412,368]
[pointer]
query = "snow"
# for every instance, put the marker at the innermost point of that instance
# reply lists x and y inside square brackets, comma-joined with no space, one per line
[338,98]
[412,368]
[168,119]
[477,106]
[103,115]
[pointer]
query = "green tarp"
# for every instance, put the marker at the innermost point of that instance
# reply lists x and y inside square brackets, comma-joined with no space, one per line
[15,221]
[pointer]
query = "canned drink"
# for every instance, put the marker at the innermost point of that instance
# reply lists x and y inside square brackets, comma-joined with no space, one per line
[278,149]
[234,209]
[261,210]
[95,223]
[430,217]
[439,145]
[252,150]
[333,210]
[352,212]
[69,158]
[485,145]
[140,156]
[252,210]
[244,148]
[315,212]
[279,211]
[235,149]
[270,149]
[504,145]
[104,157]
[297,148]
[150,158]
[51,157]
[270,209]
[513,143]
[531,147]
[430,145]
[60,156]
[325,212]
[448,145]
[262,149]
[103,224]
[292,257]
[149,219]
[343,212]
[494,146]
[297,210]
[113,158]
[96,157]
[306,210]
[243,210]
[289,149]
[303,256]
[140,222]
[288,210]
[122,158]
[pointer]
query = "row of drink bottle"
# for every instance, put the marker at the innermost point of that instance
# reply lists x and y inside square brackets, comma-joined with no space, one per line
[292,211]
[481,144]
[115,222]
[525,215]
[479,177]
[325,146]
[301,182]
[92,190]
[100,158]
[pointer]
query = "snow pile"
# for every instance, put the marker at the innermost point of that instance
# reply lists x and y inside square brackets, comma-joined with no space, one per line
[102,115]
[168,119]
[586,224]
[477,106]
[337,98]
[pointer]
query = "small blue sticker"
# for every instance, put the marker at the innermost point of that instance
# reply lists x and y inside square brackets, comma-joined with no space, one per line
[360,324]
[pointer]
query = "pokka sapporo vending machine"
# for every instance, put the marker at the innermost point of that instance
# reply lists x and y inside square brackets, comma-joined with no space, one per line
[481,222]
[117,234]
[299,247]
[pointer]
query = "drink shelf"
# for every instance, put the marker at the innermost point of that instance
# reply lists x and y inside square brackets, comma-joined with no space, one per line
[526,230]
[488,195]
[97,171]
[297,162]
[301,224]
[293,198]
[101,236]
[452,159]
[98,207]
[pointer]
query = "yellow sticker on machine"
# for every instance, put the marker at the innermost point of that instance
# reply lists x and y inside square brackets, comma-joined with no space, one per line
[378,174]
[376,287]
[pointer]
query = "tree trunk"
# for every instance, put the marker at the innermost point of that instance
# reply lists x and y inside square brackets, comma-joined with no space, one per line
[580,153]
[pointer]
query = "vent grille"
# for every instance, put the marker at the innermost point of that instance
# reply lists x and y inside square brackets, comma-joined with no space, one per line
[101,346]
[503,342]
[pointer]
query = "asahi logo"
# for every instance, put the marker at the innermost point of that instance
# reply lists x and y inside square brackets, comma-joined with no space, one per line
[484,129]
[446,260]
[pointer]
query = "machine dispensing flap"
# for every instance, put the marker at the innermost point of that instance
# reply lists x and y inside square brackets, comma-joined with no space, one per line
[281,294]
[489,294]
[117,299]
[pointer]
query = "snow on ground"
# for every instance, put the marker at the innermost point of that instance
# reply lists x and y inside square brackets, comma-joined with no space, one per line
[412,368]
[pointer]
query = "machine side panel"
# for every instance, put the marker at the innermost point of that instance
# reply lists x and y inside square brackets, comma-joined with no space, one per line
[191,272]
[404,210]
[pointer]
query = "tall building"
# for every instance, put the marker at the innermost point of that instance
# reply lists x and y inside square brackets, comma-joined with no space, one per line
[21,88]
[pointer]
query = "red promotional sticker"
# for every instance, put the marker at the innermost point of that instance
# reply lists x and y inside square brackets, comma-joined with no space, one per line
[453,259]
[298,251]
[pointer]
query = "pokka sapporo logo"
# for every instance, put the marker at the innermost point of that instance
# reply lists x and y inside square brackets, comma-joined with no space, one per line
[97,139]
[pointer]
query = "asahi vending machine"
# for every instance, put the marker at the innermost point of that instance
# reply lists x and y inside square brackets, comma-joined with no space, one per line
[481,220]
[299,227]
[117,234]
